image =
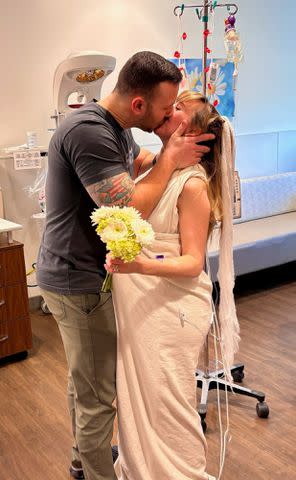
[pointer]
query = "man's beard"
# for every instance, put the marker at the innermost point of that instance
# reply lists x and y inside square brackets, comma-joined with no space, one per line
[145,128]
[160,125]
[146,123]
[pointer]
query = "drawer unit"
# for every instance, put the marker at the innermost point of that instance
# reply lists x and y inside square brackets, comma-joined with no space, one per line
[3,318]
[1,269]
[13,267]
[15,325]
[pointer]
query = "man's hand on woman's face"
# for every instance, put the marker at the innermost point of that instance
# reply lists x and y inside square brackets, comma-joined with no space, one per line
[184,150]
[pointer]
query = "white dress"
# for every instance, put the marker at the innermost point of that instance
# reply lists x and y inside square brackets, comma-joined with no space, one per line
[161,325]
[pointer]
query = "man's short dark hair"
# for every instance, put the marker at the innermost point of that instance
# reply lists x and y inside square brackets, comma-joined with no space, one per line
[144,71]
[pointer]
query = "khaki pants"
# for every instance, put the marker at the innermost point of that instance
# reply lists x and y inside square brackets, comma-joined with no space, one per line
[88,330]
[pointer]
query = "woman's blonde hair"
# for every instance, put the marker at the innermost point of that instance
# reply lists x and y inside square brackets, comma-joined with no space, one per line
[208,120]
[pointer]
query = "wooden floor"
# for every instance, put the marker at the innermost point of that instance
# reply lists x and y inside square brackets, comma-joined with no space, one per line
[35,437]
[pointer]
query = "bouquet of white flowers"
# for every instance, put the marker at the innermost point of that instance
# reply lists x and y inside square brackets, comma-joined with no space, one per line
[124,232]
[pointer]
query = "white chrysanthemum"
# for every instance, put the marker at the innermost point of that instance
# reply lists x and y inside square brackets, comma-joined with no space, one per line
[103,213]
[193,78]
[218,87]
[116,230]
[130,213]
[100,213]
[143,231]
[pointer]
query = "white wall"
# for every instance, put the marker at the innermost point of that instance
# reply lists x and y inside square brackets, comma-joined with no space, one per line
[36,35]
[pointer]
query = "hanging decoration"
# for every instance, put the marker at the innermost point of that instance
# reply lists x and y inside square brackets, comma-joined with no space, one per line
[213,71]
[233,45]
[179,53]
[214,78]
[221,93]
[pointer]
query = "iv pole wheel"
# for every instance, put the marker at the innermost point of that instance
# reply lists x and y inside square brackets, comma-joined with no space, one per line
[202,411]
[262,409]
[238,376]
[204,426]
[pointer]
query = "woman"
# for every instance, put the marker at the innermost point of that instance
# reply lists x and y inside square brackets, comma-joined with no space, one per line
[163,311]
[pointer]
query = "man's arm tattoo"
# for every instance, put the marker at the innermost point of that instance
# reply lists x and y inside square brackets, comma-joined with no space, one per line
[117,190]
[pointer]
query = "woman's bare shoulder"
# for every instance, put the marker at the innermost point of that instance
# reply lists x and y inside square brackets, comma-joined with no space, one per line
[195,185]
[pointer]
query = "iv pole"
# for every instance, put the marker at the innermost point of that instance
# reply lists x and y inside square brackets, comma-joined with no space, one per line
[204,17]
[208,5]
[207,380]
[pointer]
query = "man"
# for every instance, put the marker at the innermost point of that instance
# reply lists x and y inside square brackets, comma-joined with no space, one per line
[90,163]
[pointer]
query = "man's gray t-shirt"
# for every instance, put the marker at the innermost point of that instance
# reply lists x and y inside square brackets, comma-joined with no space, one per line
[88,146]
